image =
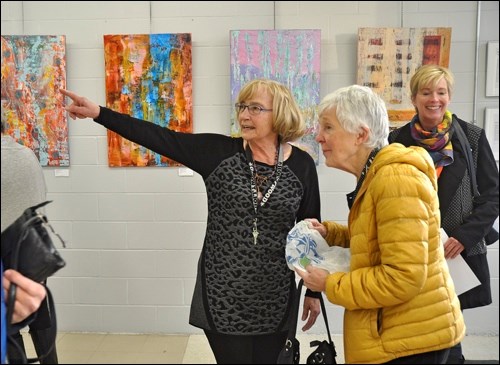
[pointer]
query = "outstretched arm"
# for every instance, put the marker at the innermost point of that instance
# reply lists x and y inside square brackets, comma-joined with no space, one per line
[29,294]
[81,107]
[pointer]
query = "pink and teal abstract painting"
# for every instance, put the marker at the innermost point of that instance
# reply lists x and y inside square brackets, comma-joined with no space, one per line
[291,57]
[149,77]
[33,71]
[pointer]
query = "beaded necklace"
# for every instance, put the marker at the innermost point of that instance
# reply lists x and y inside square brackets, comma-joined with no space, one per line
[261,180]
[260,202]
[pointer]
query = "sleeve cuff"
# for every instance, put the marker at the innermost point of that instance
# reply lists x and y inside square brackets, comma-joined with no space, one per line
[313,294]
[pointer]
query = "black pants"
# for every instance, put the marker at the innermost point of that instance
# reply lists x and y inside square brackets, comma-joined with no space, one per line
[456,356]
[235,349]
[433,357]
[43,335]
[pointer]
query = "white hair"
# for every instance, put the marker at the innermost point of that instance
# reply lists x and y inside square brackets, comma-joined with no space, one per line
[358,106]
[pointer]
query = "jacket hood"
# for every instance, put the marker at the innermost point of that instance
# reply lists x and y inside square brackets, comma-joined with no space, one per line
[413,155]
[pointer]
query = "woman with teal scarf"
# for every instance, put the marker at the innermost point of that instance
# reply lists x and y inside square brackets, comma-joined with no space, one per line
[467,219]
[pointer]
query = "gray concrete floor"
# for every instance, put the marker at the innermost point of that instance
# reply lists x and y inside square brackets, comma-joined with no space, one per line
[110,348]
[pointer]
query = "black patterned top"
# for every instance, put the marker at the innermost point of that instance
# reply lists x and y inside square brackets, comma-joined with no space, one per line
[241,288]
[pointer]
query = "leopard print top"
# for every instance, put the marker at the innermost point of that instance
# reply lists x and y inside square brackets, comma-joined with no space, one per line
[241,288]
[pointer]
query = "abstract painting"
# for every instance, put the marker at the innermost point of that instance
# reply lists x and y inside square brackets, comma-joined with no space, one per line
[33,71]
[148,77]
[291,57]
[388,58]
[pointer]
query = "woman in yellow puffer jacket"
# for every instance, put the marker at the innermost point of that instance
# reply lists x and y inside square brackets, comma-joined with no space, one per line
[399,299]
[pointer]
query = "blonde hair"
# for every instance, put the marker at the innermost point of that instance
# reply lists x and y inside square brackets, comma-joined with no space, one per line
[288,121]
[429,76]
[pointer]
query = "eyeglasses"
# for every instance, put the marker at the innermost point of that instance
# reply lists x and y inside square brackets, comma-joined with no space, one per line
[252,108]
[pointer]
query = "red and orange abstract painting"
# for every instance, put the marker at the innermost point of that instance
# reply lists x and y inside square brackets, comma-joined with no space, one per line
[148,77]
[33,71]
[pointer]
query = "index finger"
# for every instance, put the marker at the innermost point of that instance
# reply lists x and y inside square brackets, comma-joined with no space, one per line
[68,93]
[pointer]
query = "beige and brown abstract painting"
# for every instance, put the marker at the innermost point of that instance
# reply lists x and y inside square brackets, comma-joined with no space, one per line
[388,57]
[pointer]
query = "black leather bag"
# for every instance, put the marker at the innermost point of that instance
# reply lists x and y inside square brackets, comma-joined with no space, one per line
[27,246]
[325,352]
[290,354]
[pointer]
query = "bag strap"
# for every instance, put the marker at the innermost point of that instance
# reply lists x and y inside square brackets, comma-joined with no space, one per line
[464,143]
[53,327]
[323,310]
[295,310]
[35,207]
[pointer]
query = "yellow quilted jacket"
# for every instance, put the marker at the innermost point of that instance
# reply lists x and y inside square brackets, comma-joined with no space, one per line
[399,298]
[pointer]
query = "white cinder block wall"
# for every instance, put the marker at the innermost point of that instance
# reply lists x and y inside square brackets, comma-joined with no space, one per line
[134,234]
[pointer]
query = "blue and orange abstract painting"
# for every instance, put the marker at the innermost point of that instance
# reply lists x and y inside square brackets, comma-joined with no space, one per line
[33,71]
[291,57]
[148,77]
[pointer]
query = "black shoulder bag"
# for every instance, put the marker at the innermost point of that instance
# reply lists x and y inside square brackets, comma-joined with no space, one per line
[325,351]
[27,247]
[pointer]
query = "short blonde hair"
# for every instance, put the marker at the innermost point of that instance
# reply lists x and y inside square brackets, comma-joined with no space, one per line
[430,75]
[288,121]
